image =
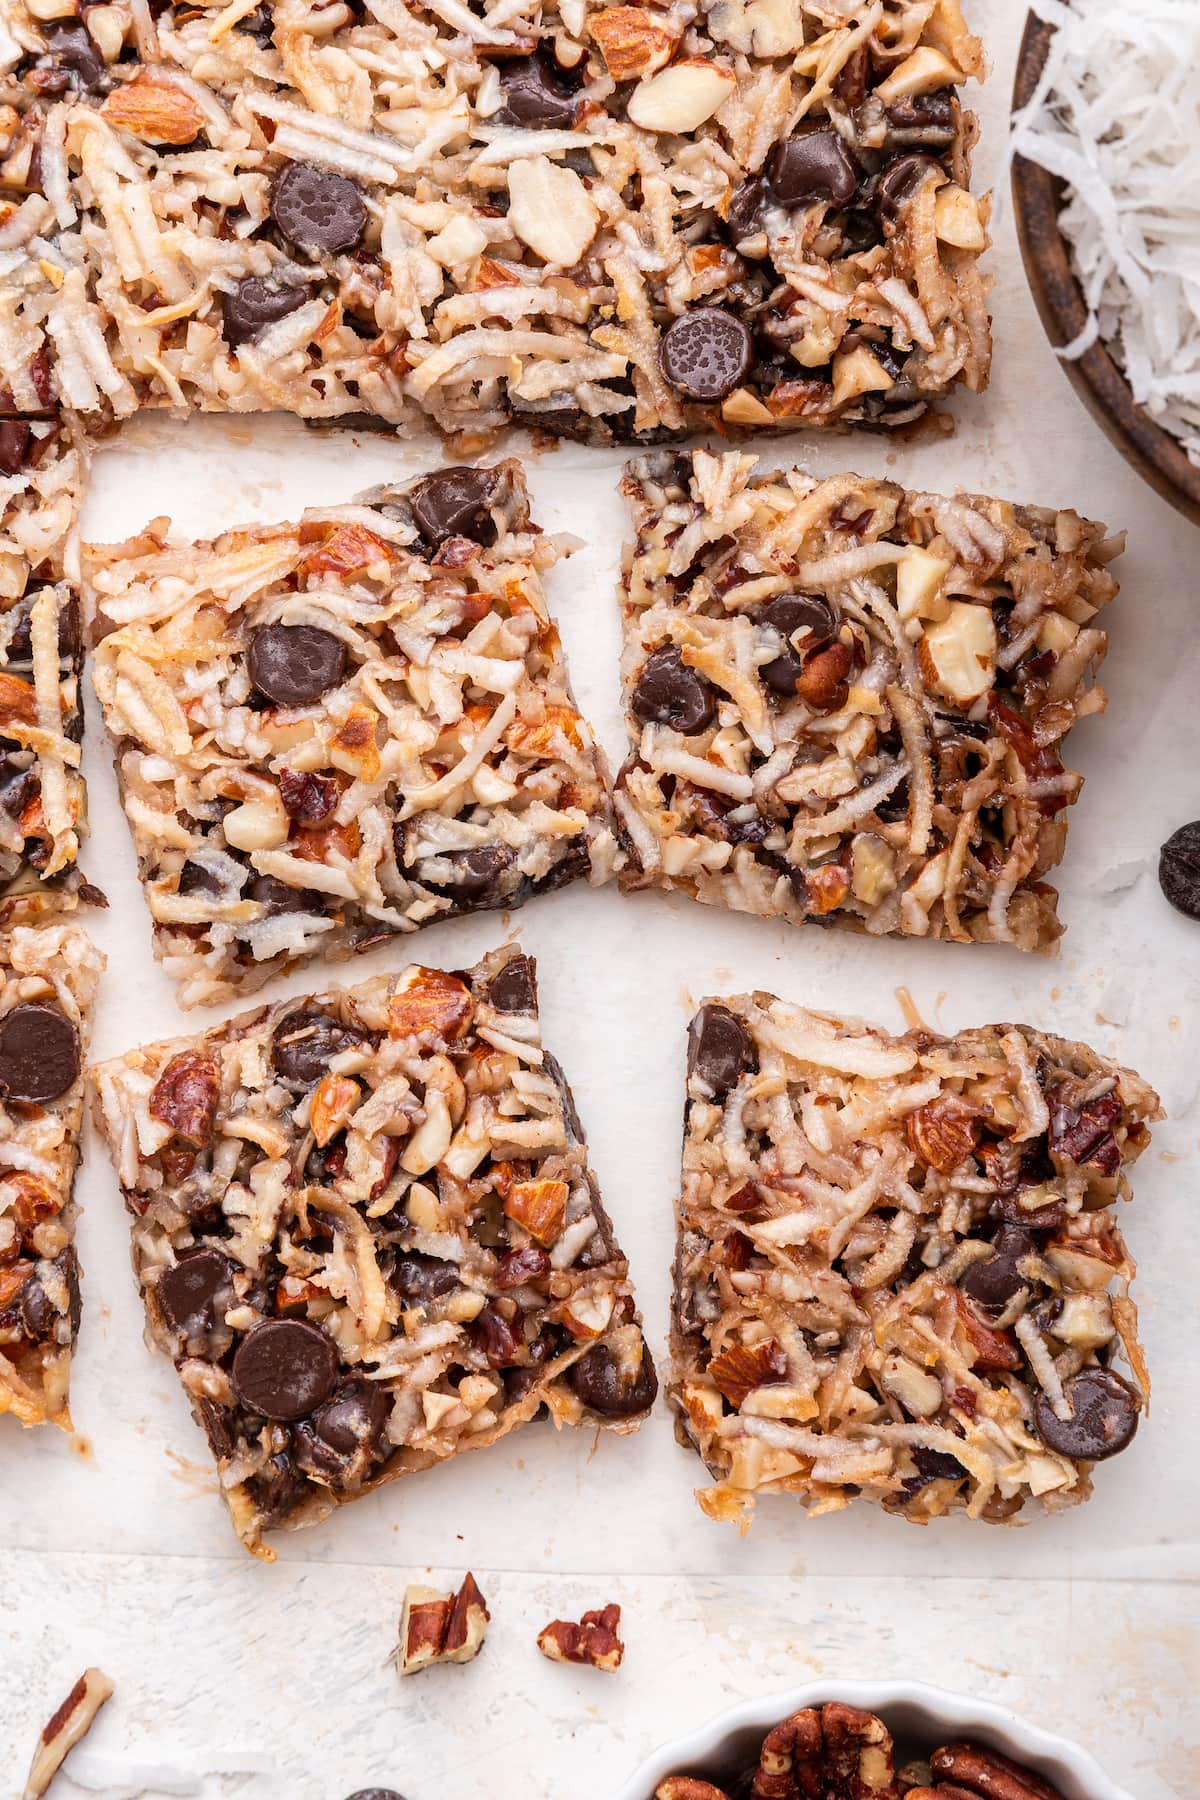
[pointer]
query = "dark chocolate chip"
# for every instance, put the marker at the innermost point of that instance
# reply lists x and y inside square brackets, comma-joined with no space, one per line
[18,786]
[745,209]
[276,898]
[787,614]
[253,305]
[670,693]
[195,878]
[424,1279]
[20,644]
[284,1369]
[276,1491]
[188,1293]
[454,502]
[720,1049]
[995,1279]
[1104,1416]
[305,1043]
[355,1416]
[937,1465]
[73,50]
[67,1265]
[706,353]
[812,165]
[36,1310]
[899,182]
[514,989]
[1179,869]
[536,95]
[318,210]
[376,1794]
[606,1387]
[925,119]
[479,873]
[293,665]
[39,1052]
[15,436]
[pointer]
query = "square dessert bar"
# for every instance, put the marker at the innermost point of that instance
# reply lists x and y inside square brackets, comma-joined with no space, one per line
[367,1234]
[614,221]
[332,731]
[48,981]
[847,703]
[42,798]
[899,1274]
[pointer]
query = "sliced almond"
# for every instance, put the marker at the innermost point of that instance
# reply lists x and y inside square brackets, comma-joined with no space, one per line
[958,653]
[919,578]
[957,220]
[858,371]
[551,210]
[921,73]
[776,26]
[744,408]
[681,98]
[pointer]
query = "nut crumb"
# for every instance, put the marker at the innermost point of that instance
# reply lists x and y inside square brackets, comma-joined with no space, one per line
[594,1641]
[441,1628]
[68,1725]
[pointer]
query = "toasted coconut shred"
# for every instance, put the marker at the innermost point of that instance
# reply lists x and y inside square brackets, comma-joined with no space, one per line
[444,768]
[1116,116]
[893,1280]
[390,1182]
[847,702]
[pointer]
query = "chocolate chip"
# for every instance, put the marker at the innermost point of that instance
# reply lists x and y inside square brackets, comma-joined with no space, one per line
[670,693]
[746,208]
[454,502]
[478,873]
[536,94]
[284,1369]
[293,665]
[514,989]
[376,1794]
[276,1491]
[926,119]
[276,898]
[720,1049]
[39,1052]
[20,643]
[18,786]
[187,1294]
[304,1044]
[1179,869]
[787,614]
[1104,1416]
[424,1279]
[73,50]
[195,878]
[812,165]
[15,436]
[37,1312]
[607,1387]
[937,1465]
[995,1279]
[318,210]
[355,1416]
[899,182]
[706,353]
[253,305]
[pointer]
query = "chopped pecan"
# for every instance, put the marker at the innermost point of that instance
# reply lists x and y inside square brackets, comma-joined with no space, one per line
[428,1002]
[18,702]
[943,1133]
[540,1206]
[594,1641]
[341,548]
[441,1628]
[334,1100]
[185,1097]
[1084,1134]
[741,1368]
[72,1721]
[990,1349]
[308,799]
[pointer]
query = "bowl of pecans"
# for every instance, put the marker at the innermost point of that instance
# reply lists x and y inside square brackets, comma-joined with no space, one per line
[897,1740]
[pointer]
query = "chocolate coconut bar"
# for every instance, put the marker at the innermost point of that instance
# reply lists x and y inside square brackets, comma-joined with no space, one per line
[367,1235]
[847,702]
[610,221]
[899,1273]
[333,731]
[48,980]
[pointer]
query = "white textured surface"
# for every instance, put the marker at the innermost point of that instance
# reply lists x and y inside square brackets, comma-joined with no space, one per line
[250,1681]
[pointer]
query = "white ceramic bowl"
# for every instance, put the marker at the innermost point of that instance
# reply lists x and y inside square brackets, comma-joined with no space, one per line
[918,1717]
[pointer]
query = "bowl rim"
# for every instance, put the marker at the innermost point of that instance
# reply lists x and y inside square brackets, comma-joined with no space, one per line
[1096,377]
[960,1714]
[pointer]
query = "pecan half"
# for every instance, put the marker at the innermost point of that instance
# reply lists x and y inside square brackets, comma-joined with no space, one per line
[594,1641]
[441,1628]
[980,1774]
[838,1753]
[686,1787]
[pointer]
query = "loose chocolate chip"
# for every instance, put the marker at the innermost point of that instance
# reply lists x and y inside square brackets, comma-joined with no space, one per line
[354,1416]
[899,182]
[284,1369]
[788,614]
[318,210]
[706,353]
[514,989]
[188,1293]
[454,502]
[745,209]
[194,878]
[479,873]
[276,898]
[1104,1416]
[812,165]
[15,437]
[1179,869]
[293,665]
[73,50]
[719,1049]
[670,693]
[535,94]
[376,1794]
[253,305]
[39,1052]
[606,1387]
[305,1043]
[424,1278]
[995,1279]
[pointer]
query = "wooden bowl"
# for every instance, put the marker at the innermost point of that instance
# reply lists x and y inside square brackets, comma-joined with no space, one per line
[1154,453]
